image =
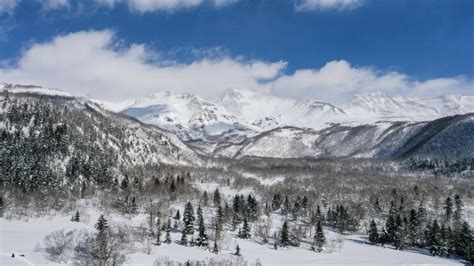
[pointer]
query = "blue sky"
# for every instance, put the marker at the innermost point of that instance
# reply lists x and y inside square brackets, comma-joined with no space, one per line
[325,49]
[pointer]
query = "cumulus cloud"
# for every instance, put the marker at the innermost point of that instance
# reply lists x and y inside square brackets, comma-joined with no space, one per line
[94,63]
[7,6]
[338,81]
[310,5]
[54,4]
[99,65]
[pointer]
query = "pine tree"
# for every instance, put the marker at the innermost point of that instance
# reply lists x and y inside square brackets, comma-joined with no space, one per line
[245,234]
[184,238]
[434,239]
[457,217]
[158,233]
[285,235]
[276,202]
[215,249]
[448,209]
[390,224]
[168,237]
[400,233]
[188,219]
[237,251]
[76,217]
[465,243]
[202,240]
[318,240]
[217,198]
[373,233]
[286,206]
[205,199]
[177,216]
[101,239]
[125,183]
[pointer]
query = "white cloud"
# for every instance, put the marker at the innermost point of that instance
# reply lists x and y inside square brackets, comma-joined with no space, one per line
[309,5]
[338,81]
[7,6]
[95,64]
[54,4]
[163,5]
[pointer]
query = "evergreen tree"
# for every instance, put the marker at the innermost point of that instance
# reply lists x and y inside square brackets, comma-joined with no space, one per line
[237,250]
[400,233]
[245,234]
[215,249]
[217,198]
[276,202]
[188,219]
[158,233]
[101,239]
[434,239]
[373,232]
[390,224]
[205,199]
[286,206]
[457,217]
[76,217]
[168,237]
[125,183]
[285,235]
[448,209]
[177,216]
[465,243]
[184,238]
[202,240]
[318,240]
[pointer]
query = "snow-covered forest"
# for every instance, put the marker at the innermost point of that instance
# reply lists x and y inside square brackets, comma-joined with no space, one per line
[84,186]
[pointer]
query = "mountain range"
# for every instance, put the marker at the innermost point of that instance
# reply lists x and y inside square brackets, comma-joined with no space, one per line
[242,123]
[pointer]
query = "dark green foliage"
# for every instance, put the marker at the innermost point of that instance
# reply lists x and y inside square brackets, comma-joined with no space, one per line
[285,235]
[373,233]
[319,240]
[188,219]
[237,250]
[245,232]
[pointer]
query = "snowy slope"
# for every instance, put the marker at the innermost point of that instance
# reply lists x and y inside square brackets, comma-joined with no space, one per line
[378,105]
[185,114]
[450,136]
[267,112]
[130,141]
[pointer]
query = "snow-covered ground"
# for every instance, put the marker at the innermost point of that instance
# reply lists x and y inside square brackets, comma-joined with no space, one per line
[26,237]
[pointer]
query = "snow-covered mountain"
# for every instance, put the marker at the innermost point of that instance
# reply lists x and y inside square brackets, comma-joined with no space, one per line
[378,105]
[129,141]
[239,113]
[445,137]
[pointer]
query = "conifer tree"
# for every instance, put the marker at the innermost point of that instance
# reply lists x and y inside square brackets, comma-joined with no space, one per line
[400,233]
[101,239]
[448,209]
[373,232]
[318,240]
[184,238]
[237,250]
[177,216]
[215,249]
[245,234]
[125,183]
[465,243]
[276,202]
[76,217]
[285,235]
[188,219]
[434,239]
[205,199]
[216,198]
[168,237]
[202,240]
[158,233]
[457,217]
